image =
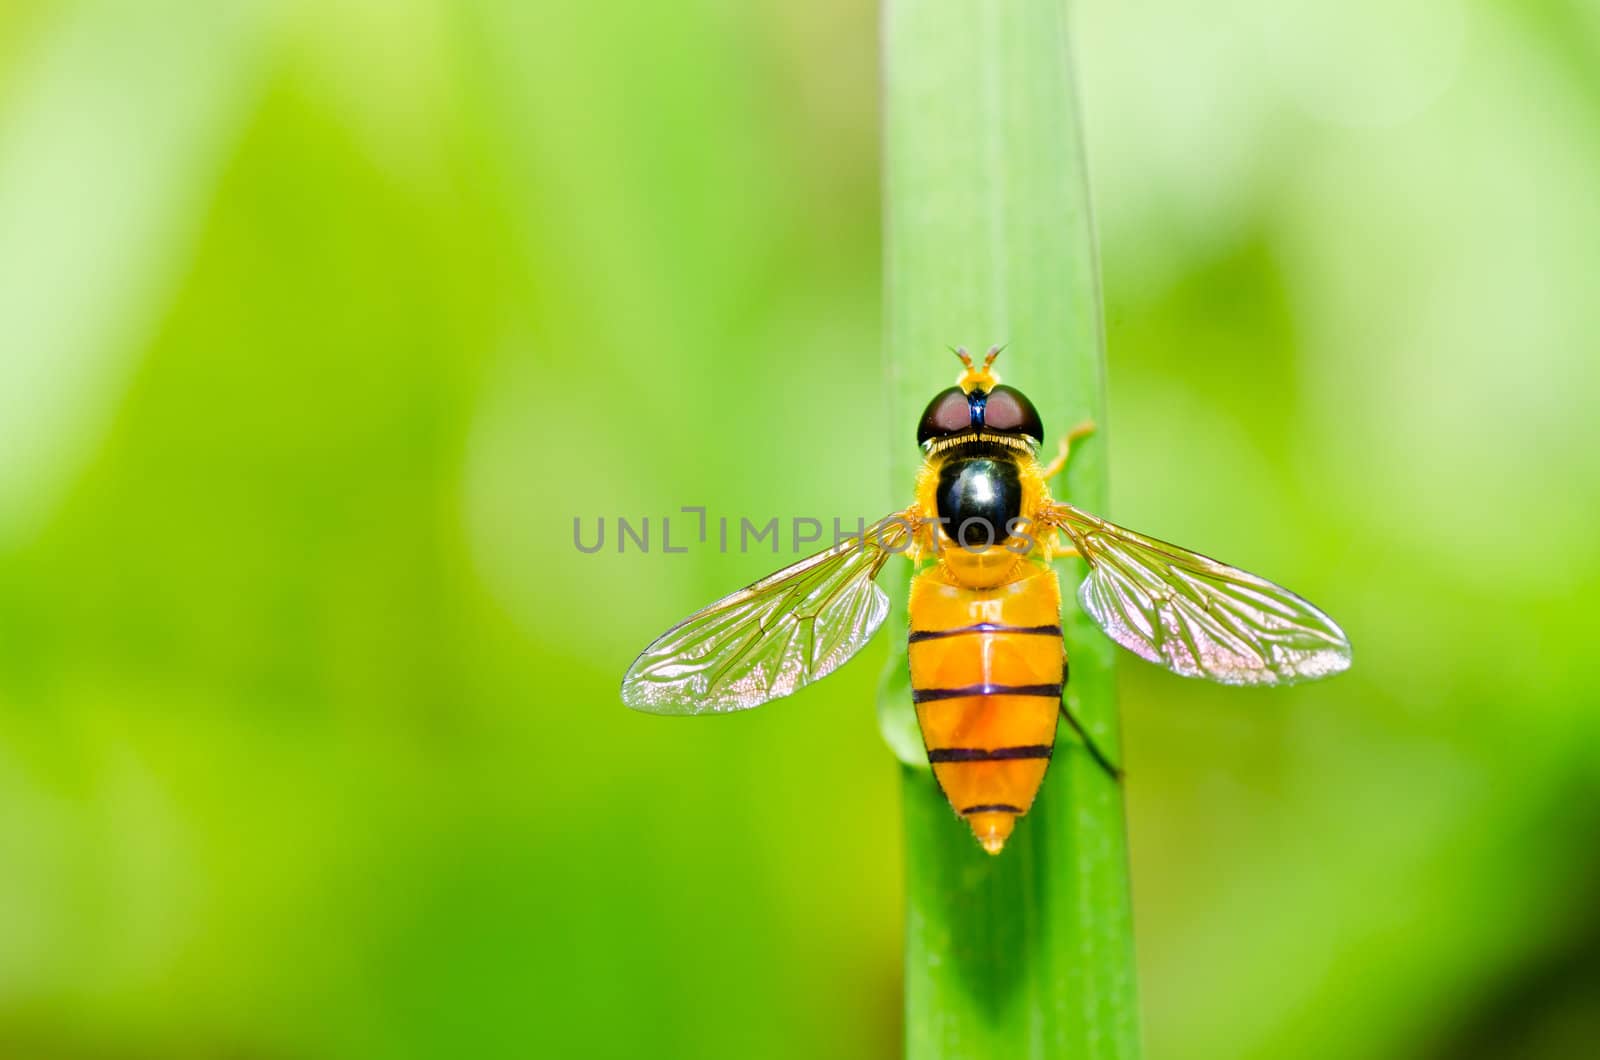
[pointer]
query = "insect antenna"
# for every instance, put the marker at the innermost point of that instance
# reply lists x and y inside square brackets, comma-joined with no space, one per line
[981,377]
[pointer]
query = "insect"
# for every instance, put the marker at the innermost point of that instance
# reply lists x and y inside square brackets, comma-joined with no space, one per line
[988,663]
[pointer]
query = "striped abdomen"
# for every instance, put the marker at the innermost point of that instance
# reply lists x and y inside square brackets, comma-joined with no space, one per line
[987,666]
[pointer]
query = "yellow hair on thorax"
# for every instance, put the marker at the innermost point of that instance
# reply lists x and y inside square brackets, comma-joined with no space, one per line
[997,563]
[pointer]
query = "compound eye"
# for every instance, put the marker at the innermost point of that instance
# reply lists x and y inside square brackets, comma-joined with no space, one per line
[948,413]
[1008,410]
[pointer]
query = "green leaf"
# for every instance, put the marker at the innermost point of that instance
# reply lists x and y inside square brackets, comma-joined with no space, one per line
[989,240]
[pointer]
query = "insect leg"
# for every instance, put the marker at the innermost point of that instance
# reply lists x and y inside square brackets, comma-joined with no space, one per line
[1064,453]
[1067,551]
[1113,771]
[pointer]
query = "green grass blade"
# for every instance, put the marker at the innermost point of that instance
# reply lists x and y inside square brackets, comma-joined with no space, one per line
[989,240]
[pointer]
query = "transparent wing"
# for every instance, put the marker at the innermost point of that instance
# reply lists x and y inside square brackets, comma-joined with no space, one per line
[771,638]
[1195,616]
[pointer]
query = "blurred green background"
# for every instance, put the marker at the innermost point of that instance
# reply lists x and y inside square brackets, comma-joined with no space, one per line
[319,324]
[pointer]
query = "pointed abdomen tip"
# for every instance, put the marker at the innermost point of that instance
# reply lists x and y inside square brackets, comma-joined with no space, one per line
[992,828]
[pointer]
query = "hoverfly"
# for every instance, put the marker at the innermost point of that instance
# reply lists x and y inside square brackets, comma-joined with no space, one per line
[988,663]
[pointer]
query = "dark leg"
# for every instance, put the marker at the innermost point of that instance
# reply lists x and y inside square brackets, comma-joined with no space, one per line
[1089,745]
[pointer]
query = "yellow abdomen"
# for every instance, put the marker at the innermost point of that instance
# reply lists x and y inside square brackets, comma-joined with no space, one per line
[987,666]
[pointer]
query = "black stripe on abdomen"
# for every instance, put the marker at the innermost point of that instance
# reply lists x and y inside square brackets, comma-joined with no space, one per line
[982,627]
[979,754]
[927,695]
[992,807]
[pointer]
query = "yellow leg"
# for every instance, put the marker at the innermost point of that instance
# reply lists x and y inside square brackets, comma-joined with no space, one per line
[1064,453]
[1063,551]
